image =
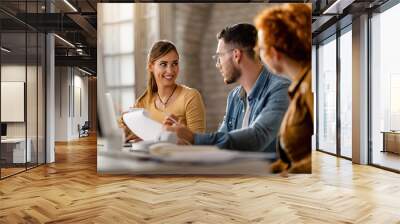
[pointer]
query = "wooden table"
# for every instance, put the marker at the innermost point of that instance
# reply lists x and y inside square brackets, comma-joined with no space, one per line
[124,162]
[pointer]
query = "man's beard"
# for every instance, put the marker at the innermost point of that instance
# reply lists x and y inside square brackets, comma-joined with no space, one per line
[235,75]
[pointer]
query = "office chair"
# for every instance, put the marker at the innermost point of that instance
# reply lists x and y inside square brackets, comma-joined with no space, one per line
[84,130]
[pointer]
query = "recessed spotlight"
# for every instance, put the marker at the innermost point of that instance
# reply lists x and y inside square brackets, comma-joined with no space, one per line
[70,5]
[84,71]
[5,49]
[64,40]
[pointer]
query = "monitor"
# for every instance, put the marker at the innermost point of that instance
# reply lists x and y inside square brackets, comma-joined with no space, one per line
[3,129]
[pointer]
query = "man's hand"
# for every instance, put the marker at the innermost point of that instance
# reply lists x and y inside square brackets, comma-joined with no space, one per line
[185,136]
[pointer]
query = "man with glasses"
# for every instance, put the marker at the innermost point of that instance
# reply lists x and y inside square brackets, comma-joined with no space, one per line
[255,108]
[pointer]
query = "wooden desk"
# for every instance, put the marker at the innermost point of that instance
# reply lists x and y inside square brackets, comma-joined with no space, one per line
[124,162]
[391,141]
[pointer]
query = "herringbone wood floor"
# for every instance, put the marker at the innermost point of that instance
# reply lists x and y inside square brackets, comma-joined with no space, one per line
[70,191]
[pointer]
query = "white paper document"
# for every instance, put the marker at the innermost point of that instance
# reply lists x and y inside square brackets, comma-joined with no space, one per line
[140,123]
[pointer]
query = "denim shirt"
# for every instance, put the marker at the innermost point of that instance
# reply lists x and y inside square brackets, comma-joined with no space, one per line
[268,101]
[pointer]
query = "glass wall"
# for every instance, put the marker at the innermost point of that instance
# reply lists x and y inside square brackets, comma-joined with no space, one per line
[385,89]
[22,93]
[13,109]
[345,58]
[334,60]
[327,95]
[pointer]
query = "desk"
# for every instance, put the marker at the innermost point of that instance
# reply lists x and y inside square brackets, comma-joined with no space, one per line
[391,141]
[16,148]
[125,162]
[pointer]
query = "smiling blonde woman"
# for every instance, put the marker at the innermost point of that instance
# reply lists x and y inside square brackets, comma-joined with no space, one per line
[163,96]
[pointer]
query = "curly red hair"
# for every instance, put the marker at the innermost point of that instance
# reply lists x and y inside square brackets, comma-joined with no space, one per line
[287,28]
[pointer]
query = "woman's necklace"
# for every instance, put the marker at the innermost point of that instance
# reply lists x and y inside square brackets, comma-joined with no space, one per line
[165,103]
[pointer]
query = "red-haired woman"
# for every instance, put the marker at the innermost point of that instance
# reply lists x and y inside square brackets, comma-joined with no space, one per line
[284,41]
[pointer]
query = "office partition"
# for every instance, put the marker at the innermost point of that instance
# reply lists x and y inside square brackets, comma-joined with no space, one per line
[22,77]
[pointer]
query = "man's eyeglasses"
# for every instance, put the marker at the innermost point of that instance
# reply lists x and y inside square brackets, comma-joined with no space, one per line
[219,54]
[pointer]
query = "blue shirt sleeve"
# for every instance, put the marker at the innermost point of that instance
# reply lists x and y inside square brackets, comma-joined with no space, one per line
[260,134]
[224,126]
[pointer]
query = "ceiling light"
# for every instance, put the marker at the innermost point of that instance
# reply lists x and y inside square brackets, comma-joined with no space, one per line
[84,71]
[70,5]
[5,50]
[65,41]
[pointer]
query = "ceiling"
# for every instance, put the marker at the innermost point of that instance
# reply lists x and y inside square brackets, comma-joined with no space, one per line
[76,23]
[329,16]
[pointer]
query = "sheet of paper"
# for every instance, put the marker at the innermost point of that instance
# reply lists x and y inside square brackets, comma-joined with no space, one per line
[142,125]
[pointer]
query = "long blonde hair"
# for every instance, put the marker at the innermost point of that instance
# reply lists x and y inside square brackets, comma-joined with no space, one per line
[158,50]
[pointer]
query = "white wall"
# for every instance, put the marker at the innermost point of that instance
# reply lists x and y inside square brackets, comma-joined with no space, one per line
[79,117]
[61,103]
[70,83]
[212,86]
[17,73]
[33,126]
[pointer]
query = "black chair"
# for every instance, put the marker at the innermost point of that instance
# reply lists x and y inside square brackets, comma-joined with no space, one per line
[84,130]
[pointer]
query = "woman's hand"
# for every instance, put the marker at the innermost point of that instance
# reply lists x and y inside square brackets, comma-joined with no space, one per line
[129,135]
[132,138]
[170,120]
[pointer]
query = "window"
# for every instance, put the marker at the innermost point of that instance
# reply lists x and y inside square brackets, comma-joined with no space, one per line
[327,96]
[314,89]
[385,85]
[118,45]
[346,93]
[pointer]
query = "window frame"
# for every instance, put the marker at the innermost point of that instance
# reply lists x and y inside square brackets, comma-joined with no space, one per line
[379,10]
[333,37]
